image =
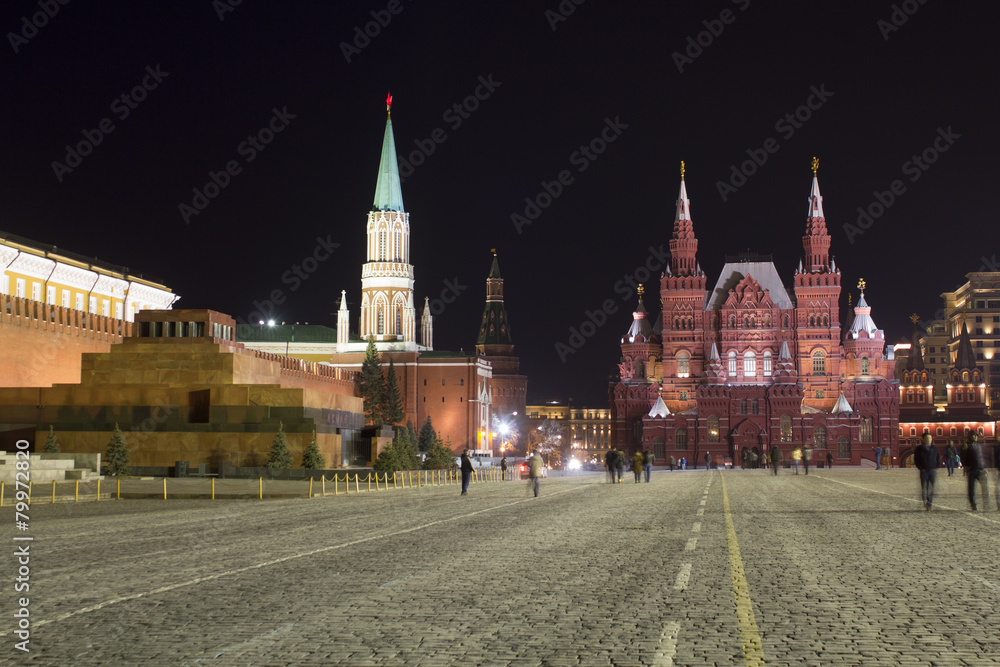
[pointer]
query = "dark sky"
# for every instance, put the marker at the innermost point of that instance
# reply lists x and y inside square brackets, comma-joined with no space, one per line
[887,93]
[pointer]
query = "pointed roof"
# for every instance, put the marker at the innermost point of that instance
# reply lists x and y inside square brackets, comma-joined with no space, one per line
[388,193]
[713,354]
[495,329]
[763,272]
[842,405]
[784,354]
[640,325]
[495,269]
[915,362]
[683,203]
[862,320]
[815,200]
[965,357]
[660,408]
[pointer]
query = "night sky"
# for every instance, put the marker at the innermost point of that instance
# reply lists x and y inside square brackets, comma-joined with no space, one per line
[885,82]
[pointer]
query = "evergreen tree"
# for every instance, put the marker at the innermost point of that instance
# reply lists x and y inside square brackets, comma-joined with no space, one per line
[401,454]
[426,437]
[439,455]
[51,444]
[312,458]
[410,430]
[116,455]
[372,385]
[392,407]
[279,456]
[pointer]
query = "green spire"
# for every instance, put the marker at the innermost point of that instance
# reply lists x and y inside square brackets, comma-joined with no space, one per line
[388,195]
[495,269]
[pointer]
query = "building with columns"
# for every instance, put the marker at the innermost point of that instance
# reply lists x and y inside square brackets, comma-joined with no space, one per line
[748,364]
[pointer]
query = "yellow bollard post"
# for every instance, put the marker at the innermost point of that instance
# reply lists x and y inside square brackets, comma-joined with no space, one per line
[322,485]
[213,488]
[76,492]
[310,487]
[3,485]
[260,484]
[98,489]
[347,483]
[394,480]
[119,495]
[357,489]
[369,481]
[53,492]
[336,481]
[164,488]
[376,483]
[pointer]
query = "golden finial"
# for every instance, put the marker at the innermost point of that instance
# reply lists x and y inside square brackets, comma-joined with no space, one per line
[682,170]
[914,318]
[849,297]
[861,285]
[640,289]
[815,165]
[494,251]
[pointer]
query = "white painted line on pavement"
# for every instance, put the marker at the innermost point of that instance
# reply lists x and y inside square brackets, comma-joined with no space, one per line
[703,502]
[974,515]
[700,512]
[667,649]
[304,554]
[691,544]
[972,575]
[270,634]
[682,577]
[696,528]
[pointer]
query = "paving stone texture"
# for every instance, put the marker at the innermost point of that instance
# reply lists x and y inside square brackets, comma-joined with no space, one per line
[842,567]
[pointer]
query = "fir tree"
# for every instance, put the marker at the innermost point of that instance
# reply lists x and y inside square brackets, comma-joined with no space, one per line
[372,385]
[410,430]
[116,455]
[401,454]
[279,456]
[51,444]
[439,455]
[426,437]
[392,406]
[312,458]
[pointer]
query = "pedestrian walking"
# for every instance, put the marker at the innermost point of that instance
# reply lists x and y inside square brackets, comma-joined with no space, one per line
[950,454]
[927,458]
[609,460]
[466,472]
[975,470]
[807,455]
[535,471]
[620,464]
[708,460]
[503,468]
[829,459]
[673,462]
[775,459]
[878,457]
[648,458]
[684,463]
[637,465]
[796,457]
[754,460]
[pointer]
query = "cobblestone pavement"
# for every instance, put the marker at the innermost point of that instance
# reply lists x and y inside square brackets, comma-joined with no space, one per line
[837,567]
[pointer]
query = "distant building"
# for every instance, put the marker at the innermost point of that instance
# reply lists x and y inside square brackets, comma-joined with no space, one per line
[55,305]
[588,430]
[182,389]
[976,305]
[496,345]
[749,364]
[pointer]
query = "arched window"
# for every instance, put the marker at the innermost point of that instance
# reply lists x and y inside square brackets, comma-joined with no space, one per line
[843,447]
[812,321]
[381,320]
[399,322]
[866,430]
[683,364]
[658,449]
[819,437]
[713,428]
[819,363]
[766,370]
[864,365]
[755,406]
[826,321]
[381,245]
[749,364]
[743,406]
[732,364]
[784,321]
[681,439]
[965,376]
[909,396]
[398,246]
[940,431]
[786,428]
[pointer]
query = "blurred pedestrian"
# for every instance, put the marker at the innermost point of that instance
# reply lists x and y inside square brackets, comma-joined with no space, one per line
[796,457]
[503,468]
[807,455]
[950,454]
[878,457]
[975,470]
[466,472]
[708,460]
[829,459]
[620,464]
[609,461]
[535,471]
[637,465]
[684,463]
[775,459]
[648,458]
[673,462]
[927,458]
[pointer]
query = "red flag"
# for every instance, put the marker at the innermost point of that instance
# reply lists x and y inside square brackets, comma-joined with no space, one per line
[388,101]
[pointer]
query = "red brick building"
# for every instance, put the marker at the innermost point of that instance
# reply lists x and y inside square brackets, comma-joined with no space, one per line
[749,364]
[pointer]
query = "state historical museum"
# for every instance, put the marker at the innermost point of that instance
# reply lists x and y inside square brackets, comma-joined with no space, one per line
[748,364]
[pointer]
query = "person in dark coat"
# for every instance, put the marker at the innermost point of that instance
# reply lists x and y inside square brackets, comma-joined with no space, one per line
[829,459]
[503,468]
[927,458]
[775,459]
[975,470]
[950,454]
[609,460]
[648,459]
[620,464]
[466,471]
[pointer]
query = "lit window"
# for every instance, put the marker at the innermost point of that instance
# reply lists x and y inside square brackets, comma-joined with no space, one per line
[864,365]
[786,428]
[866,429]
[732,364]
[681,439]
[819,363]
[749,364]
[819,437]
[713,428]
[766,370]
[683,364]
